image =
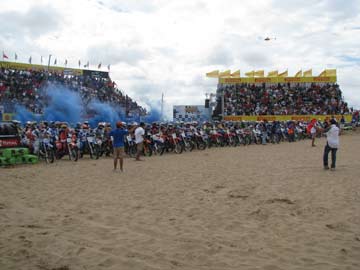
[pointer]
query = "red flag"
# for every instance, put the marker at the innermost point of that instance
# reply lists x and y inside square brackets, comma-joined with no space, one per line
[5,56]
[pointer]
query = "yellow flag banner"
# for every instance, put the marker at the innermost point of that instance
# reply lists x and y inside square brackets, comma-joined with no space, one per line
[298,74]
[328,73]
[226,73]
[250,73]
[307,73]
[283,74]
[255,80]
[323,74]
[236,74]
[273,73]
[259,73]
[213,74]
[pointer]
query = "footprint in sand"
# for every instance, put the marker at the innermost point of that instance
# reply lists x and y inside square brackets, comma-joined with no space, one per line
[238,194]
[339,227]
[108,263]
[278,200]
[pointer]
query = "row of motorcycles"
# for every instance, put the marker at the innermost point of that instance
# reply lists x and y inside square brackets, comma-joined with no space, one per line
[173,139]
[49,149]
[179,140]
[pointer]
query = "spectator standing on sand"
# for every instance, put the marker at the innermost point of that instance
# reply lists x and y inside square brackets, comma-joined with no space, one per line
[118,144]
[332,144]
[139,139]
[313,131]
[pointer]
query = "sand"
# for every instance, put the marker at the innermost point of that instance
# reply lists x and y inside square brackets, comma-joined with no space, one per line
[257,207]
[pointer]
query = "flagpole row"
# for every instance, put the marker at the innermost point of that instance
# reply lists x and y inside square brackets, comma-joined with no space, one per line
[87,65]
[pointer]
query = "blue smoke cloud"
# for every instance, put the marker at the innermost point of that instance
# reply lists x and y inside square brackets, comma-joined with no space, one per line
[67,106]
[64,105]
[154,115]
[104,113]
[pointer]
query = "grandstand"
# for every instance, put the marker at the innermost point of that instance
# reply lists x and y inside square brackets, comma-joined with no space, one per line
[24,84]
[278,96]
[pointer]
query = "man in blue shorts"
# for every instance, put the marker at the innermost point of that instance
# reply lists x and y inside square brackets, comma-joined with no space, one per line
[118,143]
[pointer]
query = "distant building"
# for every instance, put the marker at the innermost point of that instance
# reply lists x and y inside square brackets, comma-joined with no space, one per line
[189,113]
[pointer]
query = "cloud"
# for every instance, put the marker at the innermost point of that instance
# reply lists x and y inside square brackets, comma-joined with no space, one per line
[220,56]
[36,21]
[128,6]
[113,54]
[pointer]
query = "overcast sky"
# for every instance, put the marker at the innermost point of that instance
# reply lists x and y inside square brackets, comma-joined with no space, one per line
[157,46]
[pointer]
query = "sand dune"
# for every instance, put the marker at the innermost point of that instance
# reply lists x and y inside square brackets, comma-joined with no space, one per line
[258,207]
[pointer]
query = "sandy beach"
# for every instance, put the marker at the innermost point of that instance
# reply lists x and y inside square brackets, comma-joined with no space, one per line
[267,207]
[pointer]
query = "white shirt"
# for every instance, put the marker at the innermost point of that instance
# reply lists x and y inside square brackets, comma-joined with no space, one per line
[333,136]
[313,130]
[139,133]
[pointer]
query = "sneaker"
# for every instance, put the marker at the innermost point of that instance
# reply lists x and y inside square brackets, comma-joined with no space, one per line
[332,169]
[326,167]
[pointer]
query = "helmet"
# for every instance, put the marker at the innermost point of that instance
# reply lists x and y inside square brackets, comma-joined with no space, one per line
[85,126]
[63,126]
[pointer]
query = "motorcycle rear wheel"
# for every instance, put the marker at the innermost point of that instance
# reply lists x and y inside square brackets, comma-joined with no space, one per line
[178,149]
[49,156]
[74,154]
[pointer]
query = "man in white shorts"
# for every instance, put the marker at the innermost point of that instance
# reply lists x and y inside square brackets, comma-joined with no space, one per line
[139,140]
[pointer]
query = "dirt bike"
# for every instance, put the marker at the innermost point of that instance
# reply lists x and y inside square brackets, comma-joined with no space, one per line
[186,142]
[216,139]
[92,147]
[229,138]
[200,139]
[46,150]
[158,146]
[130,146]
[69,147]
[172,144]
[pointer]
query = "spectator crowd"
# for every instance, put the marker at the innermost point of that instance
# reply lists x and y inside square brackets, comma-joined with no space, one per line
[27,88]
[281,99]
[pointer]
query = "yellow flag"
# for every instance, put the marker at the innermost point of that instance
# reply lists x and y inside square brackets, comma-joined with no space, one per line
[213,74]
[323,74]
[330,72]
[298,74]
[259,73]
[273,73]
[308,73]
[250,73]
[284,74]
[236,74]
[225,73]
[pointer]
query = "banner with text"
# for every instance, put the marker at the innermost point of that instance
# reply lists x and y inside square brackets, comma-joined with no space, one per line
[305,118]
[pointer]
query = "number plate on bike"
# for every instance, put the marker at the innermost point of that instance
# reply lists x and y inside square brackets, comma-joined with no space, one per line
[90,139]
[174,136]
[68,140]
